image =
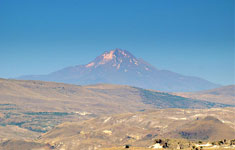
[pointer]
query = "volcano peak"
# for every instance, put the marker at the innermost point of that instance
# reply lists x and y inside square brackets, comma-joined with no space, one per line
[119,66]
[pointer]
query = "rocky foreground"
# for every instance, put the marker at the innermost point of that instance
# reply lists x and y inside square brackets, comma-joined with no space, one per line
[177,128]
[172,144]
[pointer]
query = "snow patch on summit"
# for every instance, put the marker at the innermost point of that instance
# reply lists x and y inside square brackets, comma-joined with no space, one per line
[108,56]
[90,64]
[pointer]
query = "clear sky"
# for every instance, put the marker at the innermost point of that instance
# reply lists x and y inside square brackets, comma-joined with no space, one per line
[190,37]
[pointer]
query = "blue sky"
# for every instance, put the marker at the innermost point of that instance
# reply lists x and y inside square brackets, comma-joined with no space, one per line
[191,37]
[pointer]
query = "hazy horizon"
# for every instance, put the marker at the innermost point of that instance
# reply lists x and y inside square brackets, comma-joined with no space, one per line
[193,38]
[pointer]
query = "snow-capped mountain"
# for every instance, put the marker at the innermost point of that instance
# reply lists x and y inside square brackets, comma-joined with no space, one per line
[121,67]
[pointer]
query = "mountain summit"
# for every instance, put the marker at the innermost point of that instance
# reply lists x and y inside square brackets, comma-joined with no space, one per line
[121,67]
[115,58]
[121,60]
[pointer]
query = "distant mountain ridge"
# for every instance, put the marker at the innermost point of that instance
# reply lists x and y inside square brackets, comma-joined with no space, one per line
[224,94]
[121,67]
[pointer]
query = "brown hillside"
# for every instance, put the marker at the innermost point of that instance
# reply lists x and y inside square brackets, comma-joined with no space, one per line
[15,132]
[23,145]
[208,128]
[137,129]
[39,106]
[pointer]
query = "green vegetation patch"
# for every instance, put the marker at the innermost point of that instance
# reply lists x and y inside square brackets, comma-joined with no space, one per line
[48,113]
[165,100]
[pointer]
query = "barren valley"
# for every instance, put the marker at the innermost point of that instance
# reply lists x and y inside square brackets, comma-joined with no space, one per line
[49,115]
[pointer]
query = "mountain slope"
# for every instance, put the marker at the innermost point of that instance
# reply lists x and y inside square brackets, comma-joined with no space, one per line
[121,67]
[225,95]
